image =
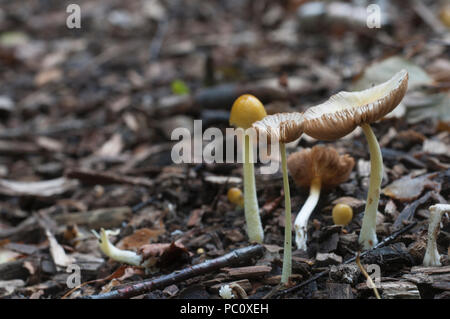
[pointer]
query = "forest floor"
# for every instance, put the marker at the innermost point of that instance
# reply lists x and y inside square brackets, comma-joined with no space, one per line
[86,116]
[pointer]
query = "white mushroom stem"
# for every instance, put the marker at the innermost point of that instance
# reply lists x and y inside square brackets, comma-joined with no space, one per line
[254,227]
[301,221]
[368,236]
[432,257]
[287,257]
[123,256]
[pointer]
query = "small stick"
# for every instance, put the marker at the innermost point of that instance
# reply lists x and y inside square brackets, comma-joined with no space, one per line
[317,276]
[375,290]
[139,288]
[142,205]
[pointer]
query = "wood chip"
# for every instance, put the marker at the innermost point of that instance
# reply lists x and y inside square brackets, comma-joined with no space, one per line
[60,258]
[407,188]
[339,291]
[46,188]
[247,272]
[104,217]
[103,178]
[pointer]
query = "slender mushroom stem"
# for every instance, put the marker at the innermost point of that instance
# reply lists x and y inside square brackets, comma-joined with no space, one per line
[368,236]
[254,227]
[301,221]
[287,258]
[123,256]
[432,257]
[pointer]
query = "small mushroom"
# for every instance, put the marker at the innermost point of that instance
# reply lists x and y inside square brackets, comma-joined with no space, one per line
[341,114]
[235,196]
[283,128]
[246,110]
[432,257]
[316,168]
[123,256]
[342,214]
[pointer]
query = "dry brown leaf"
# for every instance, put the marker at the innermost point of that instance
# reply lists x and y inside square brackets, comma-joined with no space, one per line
[140,238]
[407,189]
[195,217]
[164,255]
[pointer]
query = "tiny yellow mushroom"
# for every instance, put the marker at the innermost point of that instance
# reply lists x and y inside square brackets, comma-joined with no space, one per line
[342,214]
[246,110]
[235,196]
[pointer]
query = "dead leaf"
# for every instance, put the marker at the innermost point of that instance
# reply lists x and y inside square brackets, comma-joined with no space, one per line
[164,255]
[436,147]
[195,217]
[407,188]
[139,238]
[234,235]
[383,70]
[270,206]
[421,106]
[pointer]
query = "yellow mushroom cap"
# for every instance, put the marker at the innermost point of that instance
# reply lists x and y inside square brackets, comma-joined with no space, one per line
[283,127]
[342,214]
[246,110]
[320,162]
[235,196]
[344,111]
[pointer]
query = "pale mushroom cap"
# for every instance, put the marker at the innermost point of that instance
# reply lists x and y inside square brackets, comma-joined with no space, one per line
[320,162]
[344,111]
[283,127]
[246,110]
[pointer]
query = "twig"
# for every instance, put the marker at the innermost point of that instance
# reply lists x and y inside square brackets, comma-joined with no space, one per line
[428,17]
[142,205]
[317,276]
[136,289]
[364,272]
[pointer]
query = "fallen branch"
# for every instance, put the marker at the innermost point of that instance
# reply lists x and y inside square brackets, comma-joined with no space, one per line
[136,289]
[315,277]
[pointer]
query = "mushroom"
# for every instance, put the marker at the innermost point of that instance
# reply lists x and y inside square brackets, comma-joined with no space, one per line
[246,110]
[341,114]
[432,257]
[225,292]
[316,168]
[283,128]
[235,196]
[124,256]
[342,214]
